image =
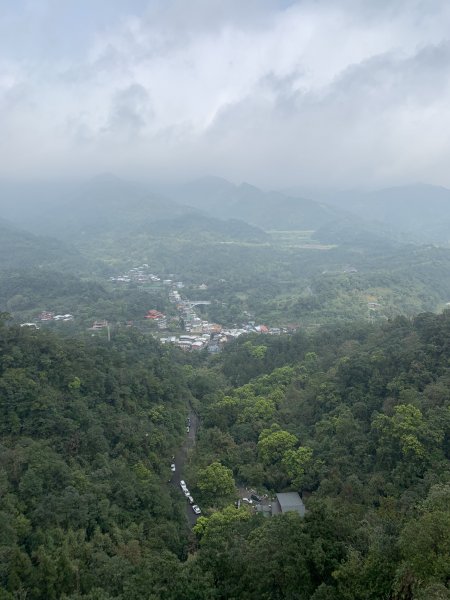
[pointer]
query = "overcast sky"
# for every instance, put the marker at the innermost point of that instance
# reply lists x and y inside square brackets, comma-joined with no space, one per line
[276,92]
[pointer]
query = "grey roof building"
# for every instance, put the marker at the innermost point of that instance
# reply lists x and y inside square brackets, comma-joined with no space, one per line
[288,502]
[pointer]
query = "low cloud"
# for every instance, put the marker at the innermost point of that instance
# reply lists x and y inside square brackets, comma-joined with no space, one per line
[280,93]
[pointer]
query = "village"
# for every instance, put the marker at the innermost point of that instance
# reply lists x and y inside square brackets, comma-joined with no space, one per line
[198,333]
[185,327]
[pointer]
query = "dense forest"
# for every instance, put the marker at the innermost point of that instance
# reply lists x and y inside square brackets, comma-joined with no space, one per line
[354,417]
[87,432]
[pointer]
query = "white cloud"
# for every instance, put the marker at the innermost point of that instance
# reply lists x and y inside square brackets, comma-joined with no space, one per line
[309,92]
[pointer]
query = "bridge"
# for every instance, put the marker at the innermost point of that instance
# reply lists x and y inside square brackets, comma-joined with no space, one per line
[193,303]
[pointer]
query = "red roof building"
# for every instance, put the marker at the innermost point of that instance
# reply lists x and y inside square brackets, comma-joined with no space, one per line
[154,314]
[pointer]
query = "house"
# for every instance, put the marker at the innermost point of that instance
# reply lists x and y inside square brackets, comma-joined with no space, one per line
[154,315]
[32,325]
[46,316]
[99,325]
[198,345]
[288,502]
[66,317]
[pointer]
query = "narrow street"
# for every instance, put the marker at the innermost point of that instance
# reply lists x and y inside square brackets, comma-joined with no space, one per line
[180,464]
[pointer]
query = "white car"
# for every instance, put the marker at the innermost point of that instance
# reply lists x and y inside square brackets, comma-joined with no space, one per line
[186,492]
[191,499]
[173,467]
[247,500]
[196,509]
[187,429]
[183,485]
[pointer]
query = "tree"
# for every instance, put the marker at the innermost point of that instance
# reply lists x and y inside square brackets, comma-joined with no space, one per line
[406,436]
[216,484]
[208,527]
[273,445]
[425,541]
[300,466]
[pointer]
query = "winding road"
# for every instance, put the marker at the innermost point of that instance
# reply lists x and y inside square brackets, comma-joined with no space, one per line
[181,460]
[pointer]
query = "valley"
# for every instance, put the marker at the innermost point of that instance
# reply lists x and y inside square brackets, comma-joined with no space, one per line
[296,379]
[224,300]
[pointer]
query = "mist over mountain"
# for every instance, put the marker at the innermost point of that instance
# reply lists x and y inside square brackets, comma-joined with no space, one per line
[415,213]
[21,249]
[265,209]
[73,209]
[108,203]
[418,212]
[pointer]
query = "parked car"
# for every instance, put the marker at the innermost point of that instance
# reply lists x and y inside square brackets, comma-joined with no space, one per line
[173,467]
[188,429]
[186,492]
[255,497]
[183,485]
[196,509]
[247,500]
[191,499]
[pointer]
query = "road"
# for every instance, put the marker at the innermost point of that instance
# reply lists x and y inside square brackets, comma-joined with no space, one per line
[180,463]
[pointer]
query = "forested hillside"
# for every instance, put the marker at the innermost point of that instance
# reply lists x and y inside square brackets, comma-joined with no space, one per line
[25,293]
[356,418]
[87,432]
[21,249]
[269,210]
[70,210]
[419,212]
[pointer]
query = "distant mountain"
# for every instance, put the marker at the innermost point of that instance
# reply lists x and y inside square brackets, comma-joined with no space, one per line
[419,212]
[109,205]
[268,210]
[105,204]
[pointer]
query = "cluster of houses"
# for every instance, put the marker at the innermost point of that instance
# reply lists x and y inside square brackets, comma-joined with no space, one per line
[45,316]
[198,333]
[192,323]
[158,317]
[188,342]
[143,275]
[137,274]
[215,340]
